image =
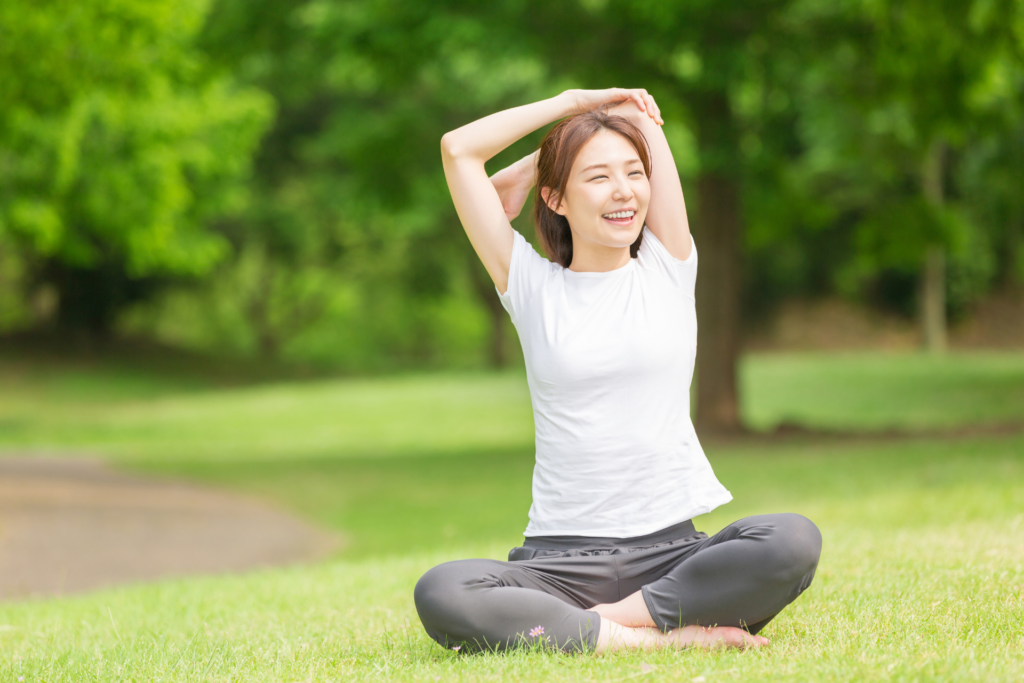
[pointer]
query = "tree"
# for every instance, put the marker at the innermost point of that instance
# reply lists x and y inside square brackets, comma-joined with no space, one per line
[118,148]
[886,107]
[350,177]
[699,58]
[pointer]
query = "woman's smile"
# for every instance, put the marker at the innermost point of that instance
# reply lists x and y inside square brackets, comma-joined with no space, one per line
[623,217]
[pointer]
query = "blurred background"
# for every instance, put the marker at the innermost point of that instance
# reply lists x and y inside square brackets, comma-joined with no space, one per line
[227,251]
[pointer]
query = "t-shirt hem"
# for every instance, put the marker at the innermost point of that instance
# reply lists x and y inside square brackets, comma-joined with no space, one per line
[640,530]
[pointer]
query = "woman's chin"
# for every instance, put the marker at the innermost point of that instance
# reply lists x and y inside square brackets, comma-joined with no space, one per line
[626,236]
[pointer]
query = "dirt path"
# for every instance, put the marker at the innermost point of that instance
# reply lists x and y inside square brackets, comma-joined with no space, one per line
[74,525]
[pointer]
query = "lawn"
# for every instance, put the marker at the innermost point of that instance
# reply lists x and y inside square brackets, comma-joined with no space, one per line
[922,572]
[133,415]
[876,391]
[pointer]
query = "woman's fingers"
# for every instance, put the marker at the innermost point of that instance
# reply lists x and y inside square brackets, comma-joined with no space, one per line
[636,95]
[639,96]
[654,111]
[615,95]
[644,102]
[587,100]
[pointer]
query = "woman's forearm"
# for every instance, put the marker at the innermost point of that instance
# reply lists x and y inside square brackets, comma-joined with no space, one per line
[484,138]
[486,206]
[666,213]
[513,184]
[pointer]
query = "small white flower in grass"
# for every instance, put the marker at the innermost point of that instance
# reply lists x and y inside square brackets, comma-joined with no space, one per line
[536,631]
[456,647]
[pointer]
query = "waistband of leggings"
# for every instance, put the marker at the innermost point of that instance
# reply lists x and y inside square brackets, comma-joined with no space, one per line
[671,533]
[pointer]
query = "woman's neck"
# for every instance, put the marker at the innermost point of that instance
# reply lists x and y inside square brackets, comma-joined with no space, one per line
[589,257]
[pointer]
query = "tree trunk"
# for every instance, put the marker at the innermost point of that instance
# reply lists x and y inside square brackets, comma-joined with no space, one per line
[717,236]
[718,303]
[933,300]
[933,276]
[258,314]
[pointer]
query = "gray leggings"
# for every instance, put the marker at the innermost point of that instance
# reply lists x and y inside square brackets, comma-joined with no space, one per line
[742,576]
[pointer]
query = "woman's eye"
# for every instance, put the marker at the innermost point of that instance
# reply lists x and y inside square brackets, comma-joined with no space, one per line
[636,172]
[598,177]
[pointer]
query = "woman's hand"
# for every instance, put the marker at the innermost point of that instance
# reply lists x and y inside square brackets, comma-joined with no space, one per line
[588,100]
[513,184]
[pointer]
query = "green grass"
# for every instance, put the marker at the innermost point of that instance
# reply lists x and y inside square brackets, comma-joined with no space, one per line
[922,573]
[872,391]
[399,505]
[326,419]
[128,414]
[922,577]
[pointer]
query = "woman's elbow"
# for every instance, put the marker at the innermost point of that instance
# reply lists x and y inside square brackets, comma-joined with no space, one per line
[451,148]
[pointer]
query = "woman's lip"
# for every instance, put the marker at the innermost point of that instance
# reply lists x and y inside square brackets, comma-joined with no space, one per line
[620,221]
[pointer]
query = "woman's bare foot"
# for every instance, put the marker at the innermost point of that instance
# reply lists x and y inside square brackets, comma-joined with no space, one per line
[612,636]
[628,624]
[715,637]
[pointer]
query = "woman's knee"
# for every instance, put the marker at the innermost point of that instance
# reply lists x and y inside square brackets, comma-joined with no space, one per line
[434,591]
[442,597]
[796,545]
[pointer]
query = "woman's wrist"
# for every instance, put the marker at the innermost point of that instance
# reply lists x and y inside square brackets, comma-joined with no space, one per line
[569,102]
[629,111]
[528,168]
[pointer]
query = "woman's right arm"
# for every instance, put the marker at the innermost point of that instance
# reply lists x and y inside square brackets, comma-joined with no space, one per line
[465,150]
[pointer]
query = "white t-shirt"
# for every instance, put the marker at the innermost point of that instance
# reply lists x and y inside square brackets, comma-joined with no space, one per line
[609,360]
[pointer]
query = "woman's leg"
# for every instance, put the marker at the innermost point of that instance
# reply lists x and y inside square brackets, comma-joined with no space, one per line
[487,604]
[740,577]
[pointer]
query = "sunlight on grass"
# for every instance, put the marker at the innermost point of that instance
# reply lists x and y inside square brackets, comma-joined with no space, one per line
[397,505]
[939,602]
[422,414]
[922,572]
[134,416]
[856,391]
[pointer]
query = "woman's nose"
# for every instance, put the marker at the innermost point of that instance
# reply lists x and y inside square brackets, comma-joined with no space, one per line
[622,190]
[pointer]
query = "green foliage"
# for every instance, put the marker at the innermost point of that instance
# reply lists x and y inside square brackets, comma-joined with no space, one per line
[132,179]
[991,187]
[880,102]
[277,163]
[348,182]
[119,147]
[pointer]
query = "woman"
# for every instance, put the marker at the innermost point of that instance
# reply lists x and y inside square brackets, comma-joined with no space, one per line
[611,558]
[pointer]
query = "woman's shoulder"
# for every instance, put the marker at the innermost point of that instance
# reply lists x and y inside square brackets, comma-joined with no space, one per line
[528,274]
[653,257]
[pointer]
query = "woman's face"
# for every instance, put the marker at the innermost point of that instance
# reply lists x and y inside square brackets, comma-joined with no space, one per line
[608,192]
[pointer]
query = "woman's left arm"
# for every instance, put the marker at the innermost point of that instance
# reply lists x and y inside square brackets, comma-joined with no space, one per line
[513,184]
[666,215]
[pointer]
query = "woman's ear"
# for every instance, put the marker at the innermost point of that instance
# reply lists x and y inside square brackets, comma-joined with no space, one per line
[550,199]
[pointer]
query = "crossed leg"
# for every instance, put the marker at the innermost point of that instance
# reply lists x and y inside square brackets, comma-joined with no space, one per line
[721,594]
[740,577]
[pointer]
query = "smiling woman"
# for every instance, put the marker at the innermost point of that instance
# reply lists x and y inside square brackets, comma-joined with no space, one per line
[611,190]
[609,334]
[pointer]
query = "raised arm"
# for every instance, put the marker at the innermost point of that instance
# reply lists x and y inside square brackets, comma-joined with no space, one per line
[666,215]
[513,184]
[464,152]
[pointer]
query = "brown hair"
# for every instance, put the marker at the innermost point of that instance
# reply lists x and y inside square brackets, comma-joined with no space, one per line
[558,151]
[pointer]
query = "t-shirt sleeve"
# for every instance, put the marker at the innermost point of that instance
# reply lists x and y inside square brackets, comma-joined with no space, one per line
[653,255]
[526,274]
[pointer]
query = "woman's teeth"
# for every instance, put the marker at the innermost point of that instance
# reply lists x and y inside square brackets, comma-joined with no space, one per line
[620,214]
